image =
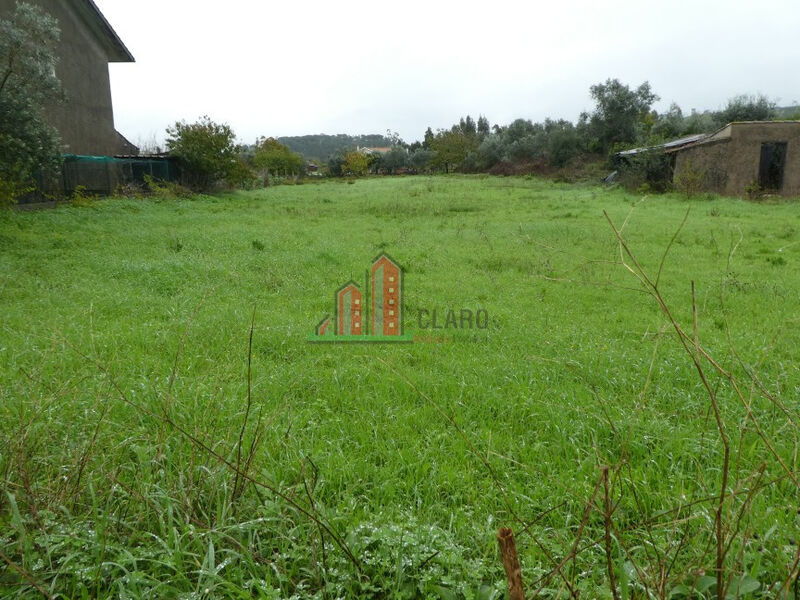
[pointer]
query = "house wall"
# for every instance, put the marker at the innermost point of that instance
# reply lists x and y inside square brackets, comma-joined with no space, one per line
[732,164]
[86,120]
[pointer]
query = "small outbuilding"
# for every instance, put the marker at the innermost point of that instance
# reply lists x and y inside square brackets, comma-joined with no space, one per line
[743,157]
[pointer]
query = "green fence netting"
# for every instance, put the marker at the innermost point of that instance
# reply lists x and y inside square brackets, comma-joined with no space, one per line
[103,175]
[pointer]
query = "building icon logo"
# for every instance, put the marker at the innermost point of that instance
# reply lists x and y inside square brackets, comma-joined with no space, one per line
[372,315]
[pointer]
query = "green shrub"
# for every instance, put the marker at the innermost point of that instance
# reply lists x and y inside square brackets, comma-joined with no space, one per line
[205,150]
[165,189]
[241,176]
[753,190]
[651,167]
[691,180]
[80,197]
[277,160]
[11,189]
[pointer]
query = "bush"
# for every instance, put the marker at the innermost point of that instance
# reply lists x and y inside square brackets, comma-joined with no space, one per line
[80,197]
[206,151]
[651,167]
[391,162]
[165,189]
[691,180]
[335,165]
[277,160]
[754,191]
[11,189]
[420,159]
[356,163]
[563,143]
[241,176]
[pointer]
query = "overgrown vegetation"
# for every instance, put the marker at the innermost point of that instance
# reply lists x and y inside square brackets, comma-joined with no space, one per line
[206,151]
[165,430]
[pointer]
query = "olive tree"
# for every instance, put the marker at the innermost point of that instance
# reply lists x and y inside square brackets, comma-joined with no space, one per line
[618,115]
[746,108]
[28,83]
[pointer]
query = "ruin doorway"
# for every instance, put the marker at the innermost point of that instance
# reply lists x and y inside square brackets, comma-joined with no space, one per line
[773,161]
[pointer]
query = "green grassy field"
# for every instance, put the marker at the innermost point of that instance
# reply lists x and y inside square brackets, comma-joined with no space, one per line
[147,451]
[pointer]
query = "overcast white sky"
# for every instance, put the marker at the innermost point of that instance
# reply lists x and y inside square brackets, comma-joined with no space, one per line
[295,68]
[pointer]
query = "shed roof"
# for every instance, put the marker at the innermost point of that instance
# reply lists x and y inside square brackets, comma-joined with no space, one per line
[671,145]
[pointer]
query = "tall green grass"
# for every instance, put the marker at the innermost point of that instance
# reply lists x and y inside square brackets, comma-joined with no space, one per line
[167,431]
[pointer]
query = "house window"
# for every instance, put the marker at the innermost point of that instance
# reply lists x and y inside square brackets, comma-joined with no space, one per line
[773,161]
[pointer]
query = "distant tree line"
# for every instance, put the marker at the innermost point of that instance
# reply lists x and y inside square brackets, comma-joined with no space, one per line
[622,118]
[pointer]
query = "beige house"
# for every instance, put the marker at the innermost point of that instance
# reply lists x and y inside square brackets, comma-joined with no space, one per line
[741,157]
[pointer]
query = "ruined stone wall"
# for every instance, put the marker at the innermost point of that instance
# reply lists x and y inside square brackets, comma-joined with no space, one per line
[708,162]
[731,165]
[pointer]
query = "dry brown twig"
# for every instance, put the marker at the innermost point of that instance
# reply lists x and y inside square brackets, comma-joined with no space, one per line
[700,357]
[508,554]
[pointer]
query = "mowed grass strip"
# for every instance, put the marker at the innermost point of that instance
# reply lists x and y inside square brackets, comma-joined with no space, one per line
[124,386]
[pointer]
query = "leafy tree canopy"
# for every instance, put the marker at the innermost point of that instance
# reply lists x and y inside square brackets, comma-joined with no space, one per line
[619,113]
[396,158]
[452,146]
[420,158]
[428,139]
[746,108]
[206,150]
[28,83]
[356,163]
[483,126]
[277,159]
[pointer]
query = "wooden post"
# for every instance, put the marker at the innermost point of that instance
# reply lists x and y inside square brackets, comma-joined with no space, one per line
[508,553]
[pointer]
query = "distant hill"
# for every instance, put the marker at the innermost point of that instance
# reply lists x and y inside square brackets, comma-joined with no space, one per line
[322,146]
